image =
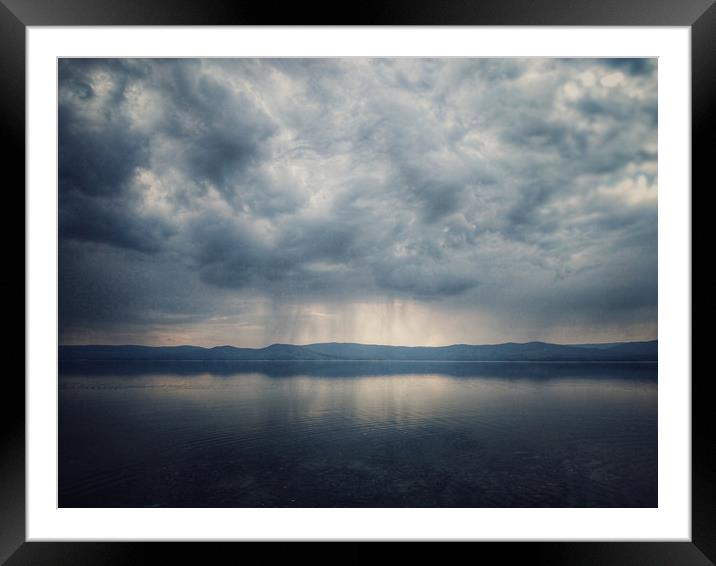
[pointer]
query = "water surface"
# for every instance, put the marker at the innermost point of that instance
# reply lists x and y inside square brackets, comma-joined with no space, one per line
[357,434]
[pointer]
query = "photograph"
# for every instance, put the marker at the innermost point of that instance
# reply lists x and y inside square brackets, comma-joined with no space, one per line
[352,282]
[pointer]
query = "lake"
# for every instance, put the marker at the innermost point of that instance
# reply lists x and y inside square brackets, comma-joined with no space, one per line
[357,434]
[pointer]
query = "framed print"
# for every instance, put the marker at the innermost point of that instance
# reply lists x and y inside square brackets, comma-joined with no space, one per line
[402,278]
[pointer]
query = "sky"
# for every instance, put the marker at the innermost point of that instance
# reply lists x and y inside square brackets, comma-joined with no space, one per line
[391,201]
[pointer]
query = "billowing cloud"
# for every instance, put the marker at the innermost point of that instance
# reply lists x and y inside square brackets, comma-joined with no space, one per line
[249,201]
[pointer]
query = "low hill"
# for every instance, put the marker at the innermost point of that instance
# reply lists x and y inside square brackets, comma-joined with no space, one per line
[524,352]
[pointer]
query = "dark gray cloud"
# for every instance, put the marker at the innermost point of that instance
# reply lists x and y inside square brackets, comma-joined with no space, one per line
[631,65]
[457,200]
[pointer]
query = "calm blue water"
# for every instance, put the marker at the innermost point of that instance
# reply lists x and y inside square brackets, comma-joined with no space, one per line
[357,434]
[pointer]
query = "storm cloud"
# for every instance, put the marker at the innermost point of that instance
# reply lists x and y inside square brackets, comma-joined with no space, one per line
[402,201]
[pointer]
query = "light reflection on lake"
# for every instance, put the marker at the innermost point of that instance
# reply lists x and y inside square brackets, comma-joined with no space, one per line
[356,434]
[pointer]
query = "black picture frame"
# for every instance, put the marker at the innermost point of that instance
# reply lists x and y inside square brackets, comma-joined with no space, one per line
[17,15]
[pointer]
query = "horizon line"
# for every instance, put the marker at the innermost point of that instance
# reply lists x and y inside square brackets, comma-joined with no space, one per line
[353,344]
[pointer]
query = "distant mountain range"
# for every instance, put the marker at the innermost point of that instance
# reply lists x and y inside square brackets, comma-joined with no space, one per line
[530,351]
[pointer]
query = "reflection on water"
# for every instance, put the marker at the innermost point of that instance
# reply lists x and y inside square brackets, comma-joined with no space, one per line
[357,434]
